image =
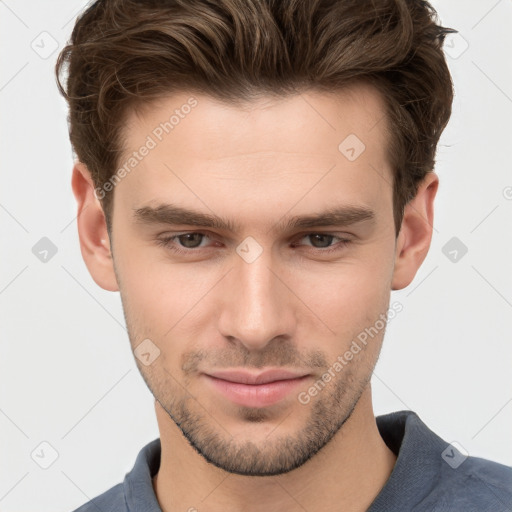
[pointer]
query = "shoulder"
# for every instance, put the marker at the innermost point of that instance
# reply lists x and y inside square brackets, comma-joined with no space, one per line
[432,475]
[476,485]
[136,491]
[112,500]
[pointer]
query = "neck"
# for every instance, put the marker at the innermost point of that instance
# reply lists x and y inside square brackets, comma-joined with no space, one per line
[347,474]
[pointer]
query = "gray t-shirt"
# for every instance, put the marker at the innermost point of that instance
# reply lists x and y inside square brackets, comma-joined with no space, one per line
[430,475]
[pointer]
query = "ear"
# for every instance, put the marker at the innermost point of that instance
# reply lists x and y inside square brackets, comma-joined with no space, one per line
[415,233]
[92,230]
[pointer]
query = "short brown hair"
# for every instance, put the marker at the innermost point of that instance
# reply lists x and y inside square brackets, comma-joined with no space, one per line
[125,53]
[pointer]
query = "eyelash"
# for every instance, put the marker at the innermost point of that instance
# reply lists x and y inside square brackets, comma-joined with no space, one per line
[167,243]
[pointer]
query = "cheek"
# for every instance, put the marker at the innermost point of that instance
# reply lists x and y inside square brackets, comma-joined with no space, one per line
[153,291]
[349,293]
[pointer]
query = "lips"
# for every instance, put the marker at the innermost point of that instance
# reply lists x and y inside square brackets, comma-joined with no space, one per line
[244,377]
[255,389]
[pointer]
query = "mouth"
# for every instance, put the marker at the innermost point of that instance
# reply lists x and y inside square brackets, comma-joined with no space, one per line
[255,389]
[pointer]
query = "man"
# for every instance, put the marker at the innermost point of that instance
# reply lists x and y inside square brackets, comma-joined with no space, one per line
[255,177]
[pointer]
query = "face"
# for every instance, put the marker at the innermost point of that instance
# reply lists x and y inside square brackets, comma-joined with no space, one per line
[253,245]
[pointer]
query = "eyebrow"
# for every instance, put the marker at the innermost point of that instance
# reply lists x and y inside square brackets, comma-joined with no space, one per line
[175,215]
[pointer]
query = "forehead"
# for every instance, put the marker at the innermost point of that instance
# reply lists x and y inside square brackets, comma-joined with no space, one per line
[357,109]
[332,144]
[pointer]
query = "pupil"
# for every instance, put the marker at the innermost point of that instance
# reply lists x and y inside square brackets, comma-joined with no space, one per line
[190,239]
[325,238]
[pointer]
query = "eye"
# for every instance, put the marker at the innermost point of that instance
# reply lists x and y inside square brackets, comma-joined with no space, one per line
[323,241]
[187,242]
[191,242]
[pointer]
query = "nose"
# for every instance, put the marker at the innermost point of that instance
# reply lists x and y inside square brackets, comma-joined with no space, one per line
[257,305]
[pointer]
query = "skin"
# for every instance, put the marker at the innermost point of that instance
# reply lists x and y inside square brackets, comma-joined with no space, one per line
[294,307]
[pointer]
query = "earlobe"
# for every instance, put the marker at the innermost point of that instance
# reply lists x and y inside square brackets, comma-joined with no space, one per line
[416,233]
[92,230]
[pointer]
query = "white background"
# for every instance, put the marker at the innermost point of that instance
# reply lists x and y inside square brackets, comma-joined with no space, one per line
[66,371]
